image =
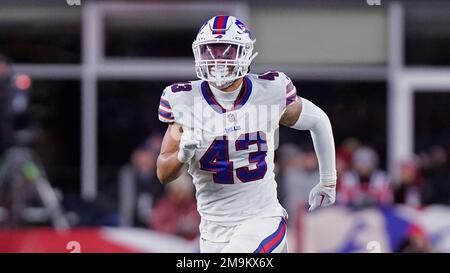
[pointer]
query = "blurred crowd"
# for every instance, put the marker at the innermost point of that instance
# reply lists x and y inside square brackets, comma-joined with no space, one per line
[420,180]
[144,201]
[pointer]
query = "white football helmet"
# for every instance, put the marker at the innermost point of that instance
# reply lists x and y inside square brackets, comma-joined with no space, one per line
[223,51]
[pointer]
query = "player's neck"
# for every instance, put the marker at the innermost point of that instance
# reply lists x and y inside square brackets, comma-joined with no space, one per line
[226,97]
[234,86]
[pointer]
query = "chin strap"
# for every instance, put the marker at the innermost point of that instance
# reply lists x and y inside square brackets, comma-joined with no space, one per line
[219,73]
[223,85]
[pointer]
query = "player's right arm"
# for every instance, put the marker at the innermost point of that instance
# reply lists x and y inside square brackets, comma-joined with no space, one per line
[168,167]
[178,147]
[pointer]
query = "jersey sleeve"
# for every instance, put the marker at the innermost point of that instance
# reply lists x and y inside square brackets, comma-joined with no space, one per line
[165,112]
[290,91]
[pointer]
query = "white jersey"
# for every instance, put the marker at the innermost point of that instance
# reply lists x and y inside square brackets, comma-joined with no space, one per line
[233,169]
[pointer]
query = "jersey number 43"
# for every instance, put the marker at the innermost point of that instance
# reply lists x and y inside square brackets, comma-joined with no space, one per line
[217,160]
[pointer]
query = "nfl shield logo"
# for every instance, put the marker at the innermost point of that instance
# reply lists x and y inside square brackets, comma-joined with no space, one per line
[231,117]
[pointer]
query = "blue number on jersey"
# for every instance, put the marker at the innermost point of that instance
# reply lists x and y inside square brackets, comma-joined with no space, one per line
[216,159]
[269,75]
[259,157]
[183,86]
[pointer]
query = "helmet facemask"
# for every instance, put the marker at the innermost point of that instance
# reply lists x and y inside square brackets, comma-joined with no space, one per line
[221,63]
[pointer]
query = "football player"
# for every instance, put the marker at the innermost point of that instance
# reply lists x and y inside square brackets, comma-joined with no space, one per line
[223,127]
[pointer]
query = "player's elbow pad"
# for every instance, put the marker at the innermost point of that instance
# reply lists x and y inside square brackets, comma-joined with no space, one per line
[314,119]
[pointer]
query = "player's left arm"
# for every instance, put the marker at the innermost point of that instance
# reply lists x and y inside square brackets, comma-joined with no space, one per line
[302,114]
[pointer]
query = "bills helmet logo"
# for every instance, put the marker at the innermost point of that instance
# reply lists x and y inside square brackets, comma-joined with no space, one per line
[243,28]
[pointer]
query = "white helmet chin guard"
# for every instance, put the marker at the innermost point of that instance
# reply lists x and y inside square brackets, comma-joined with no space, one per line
[223,51]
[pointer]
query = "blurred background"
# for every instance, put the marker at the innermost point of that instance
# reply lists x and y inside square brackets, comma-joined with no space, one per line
[80,83]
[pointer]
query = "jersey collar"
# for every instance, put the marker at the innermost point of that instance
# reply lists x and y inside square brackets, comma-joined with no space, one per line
[242,98]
